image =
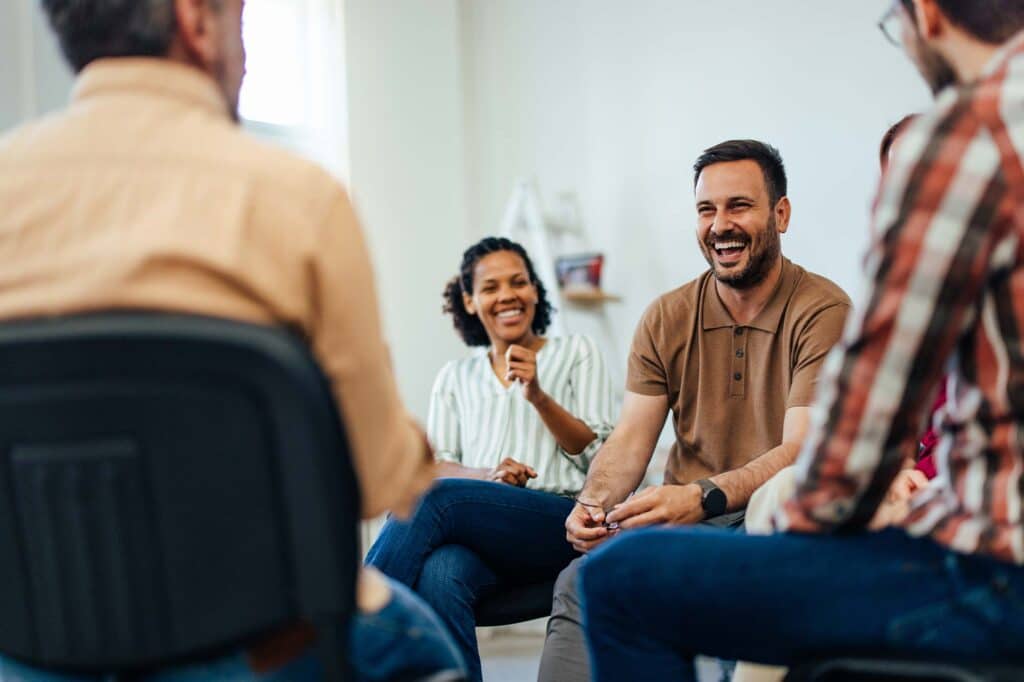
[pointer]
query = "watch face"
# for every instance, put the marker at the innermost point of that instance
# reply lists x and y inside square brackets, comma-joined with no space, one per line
[714,502]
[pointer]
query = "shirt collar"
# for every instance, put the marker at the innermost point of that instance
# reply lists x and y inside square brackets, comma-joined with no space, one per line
[1010,49]
[154,76]
[715,315]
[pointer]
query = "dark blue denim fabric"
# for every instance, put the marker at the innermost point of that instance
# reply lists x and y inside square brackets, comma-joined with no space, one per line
[655,598]
[467,539]
[404,638]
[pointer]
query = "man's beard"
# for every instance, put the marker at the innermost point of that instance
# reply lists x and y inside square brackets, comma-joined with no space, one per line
[763,252]
[936,70]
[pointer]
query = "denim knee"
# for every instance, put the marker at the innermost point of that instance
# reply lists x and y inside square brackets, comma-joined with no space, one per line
[446,491]
[446,571]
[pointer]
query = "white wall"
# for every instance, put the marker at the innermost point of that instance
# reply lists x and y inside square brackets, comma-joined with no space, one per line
[451,100]
[614,100]
[406,152]
[34,79]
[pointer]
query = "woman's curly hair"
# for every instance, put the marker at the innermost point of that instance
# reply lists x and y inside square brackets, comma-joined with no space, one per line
[469,326]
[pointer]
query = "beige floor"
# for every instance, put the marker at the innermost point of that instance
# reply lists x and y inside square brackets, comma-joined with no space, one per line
[511,657]
[514,656]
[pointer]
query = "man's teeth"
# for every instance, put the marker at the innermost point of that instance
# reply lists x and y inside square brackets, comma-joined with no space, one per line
[509,313]
[722,246]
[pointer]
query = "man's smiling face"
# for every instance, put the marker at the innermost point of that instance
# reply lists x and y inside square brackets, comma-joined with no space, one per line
[736,225]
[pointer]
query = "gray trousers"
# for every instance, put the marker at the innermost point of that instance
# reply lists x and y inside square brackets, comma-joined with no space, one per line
[565,657]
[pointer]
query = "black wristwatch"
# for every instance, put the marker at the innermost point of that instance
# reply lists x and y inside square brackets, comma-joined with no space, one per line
[712,499]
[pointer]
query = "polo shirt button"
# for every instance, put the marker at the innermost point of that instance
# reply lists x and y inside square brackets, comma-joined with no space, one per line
[739,353]
[739,331]
[737,376]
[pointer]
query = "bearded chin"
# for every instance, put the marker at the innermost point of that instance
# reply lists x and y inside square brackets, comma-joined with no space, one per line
[764,252]
[937,71]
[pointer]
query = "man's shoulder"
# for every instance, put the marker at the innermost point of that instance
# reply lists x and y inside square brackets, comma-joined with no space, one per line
[22,138]
[274,169]
[681,302]
[196,144]
[816,291]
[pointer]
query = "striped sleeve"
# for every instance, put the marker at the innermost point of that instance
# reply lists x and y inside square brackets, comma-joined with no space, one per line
[938,223]
[592,395]
[443,417]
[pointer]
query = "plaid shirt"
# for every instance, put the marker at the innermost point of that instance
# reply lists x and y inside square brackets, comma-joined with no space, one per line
[945,292]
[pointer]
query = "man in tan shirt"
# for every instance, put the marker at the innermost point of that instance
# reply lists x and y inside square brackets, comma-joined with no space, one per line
[145,194]
[734,355]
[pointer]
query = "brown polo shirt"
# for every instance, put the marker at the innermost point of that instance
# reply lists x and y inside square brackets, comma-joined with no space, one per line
[729,385]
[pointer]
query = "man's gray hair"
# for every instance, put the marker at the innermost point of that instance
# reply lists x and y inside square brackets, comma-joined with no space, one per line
[93,29]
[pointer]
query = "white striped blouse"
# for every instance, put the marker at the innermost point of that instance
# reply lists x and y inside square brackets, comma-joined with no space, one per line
[477,422]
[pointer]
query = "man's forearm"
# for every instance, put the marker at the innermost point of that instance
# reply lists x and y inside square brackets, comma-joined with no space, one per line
[739,484]
[614,473]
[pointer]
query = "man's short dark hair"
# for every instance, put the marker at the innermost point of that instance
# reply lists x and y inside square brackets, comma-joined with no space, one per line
[766,156]
[92,29]
[990,21]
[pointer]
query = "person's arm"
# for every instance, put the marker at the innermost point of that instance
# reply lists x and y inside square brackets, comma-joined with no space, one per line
[739,484]
[445,434]
[618,468]
[572,433]
[391,455]
[508,471]
[592,399]
[682,504]
[944,219]
[814,340]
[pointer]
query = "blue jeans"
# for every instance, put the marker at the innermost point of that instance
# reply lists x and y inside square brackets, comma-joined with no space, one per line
[403,638]
[468,539]
[653,599]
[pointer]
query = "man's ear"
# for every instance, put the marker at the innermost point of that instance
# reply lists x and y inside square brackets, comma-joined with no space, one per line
[783,211]
[467,303]
[195,36]
[928,18]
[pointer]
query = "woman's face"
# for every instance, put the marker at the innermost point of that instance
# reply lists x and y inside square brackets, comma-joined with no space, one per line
[503,297]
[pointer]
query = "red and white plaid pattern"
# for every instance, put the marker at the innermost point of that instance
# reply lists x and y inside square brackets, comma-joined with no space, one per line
[945,292]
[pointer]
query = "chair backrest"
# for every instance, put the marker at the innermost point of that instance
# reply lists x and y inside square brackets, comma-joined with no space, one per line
[170,485]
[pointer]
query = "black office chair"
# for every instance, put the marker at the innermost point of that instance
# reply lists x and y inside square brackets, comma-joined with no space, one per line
[891,670]
[516,605]
[172,487]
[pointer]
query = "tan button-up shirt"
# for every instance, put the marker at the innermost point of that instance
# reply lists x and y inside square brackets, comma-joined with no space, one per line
[144,194]
[729,385]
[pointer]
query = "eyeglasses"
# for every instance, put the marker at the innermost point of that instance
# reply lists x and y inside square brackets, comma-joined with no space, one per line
[891,24]
[613,526]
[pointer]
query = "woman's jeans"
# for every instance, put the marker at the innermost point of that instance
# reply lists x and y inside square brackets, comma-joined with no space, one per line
[653,599]
[405,638]
[469,539]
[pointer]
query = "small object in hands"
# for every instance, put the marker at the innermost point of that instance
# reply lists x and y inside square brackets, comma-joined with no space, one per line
[613,526]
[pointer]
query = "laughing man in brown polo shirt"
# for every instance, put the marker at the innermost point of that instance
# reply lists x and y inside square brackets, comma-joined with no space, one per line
[734,354]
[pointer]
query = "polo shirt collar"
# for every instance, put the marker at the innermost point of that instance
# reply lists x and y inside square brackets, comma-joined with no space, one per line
[153,76]
[716,316]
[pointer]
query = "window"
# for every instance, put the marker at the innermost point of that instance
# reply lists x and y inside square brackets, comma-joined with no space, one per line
[294,88]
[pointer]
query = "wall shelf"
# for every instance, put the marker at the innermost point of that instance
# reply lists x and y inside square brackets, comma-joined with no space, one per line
[586,297]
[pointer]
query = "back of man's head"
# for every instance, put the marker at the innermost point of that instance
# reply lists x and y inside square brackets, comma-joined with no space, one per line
[990,21]
[93,29]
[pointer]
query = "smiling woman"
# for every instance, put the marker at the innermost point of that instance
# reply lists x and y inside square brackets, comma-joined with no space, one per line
[514,426]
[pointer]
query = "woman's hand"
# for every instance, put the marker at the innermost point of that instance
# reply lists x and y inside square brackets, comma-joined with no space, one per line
[512,472]
[521,365]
